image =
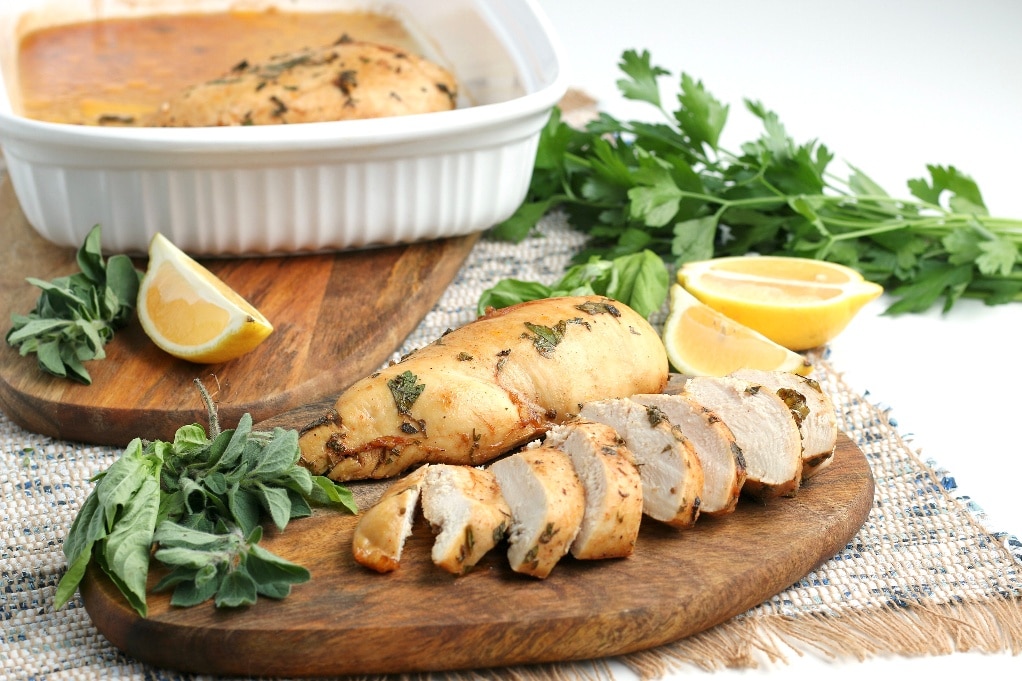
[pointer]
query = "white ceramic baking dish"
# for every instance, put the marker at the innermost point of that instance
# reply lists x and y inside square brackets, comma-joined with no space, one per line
[295,188]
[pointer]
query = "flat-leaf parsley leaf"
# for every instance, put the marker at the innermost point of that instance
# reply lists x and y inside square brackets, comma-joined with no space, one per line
[669,187]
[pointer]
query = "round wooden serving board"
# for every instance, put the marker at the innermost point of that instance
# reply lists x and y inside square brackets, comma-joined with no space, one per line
[348,620]
[337,317]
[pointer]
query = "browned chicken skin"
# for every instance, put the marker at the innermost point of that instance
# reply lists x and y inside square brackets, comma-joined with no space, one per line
[483,389]
[344,81]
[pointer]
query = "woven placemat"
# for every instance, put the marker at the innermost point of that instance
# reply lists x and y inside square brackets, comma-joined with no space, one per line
[924,576]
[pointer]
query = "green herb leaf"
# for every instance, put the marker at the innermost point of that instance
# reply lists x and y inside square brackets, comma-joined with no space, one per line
[672,189]
[75,316]
[639,280]
[405,389]
[200,501]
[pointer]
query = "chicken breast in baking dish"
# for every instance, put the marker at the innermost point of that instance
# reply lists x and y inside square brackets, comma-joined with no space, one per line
[347,80]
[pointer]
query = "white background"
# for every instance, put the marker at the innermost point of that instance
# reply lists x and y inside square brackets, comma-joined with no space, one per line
[889,87]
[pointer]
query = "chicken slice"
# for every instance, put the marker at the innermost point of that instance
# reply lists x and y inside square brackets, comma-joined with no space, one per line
[763,427]
[547,503]
[814,411]
[613,488]
[721,458]
[465,508]
[672,477]
[382,530]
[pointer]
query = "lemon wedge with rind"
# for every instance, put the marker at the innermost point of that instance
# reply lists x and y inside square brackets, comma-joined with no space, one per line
[190,313]
[703,342]
[796,302]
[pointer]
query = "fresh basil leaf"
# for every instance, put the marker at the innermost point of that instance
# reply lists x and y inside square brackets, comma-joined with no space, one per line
[509,292]
[326,491]
[87,528]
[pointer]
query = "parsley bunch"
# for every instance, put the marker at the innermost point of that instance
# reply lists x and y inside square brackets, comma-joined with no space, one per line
[75,316]
[200,501]
[671,188]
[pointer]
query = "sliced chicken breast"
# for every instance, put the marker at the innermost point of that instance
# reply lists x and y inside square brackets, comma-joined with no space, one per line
[763,427]
[722,460]
[384,528]
[813,409]
[671,474]
[547,503]
[467,512]
[613,488]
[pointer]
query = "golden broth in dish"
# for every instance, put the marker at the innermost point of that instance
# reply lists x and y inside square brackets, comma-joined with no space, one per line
[118,71]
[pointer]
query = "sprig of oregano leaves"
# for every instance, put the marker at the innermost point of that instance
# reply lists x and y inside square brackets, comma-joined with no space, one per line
[75,316]
[670,187]
[200,501]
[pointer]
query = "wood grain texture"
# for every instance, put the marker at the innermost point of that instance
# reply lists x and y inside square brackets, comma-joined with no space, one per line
[348,620]
[337,317]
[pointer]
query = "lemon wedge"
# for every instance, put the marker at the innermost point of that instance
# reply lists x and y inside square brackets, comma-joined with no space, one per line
[796,302]
[703,342]
[188,312]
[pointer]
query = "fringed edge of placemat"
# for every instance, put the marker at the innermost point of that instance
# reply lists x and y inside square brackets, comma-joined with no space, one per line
[915,630]
[749,642]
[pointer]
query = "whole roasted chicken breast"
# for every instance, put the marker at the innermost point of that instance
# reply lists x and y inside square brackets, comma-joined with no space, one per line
[347,80]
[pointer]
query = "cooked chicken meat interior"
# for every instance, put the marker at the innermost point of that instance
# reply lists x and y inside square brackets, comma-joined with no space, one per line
[382,530]
[672,476]
[763,427]
[547,502]
[613,488]
[466,510]
[814,410]
[719,454]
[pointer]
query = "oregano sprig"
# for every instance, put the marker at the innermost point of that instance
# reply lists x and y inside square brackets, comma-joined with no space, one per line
[200,500]
[76,316]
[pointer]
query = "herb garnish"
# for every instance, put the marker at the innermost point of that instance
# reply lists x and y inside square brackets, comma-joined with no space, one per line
[405,391]
[594,308]
[671,188]
[639,280]
[75,316]
[546,338]
[200,501]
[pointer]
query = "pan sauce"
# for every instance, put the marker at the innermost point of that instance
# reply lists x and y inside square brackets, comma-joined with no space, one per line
[117,71]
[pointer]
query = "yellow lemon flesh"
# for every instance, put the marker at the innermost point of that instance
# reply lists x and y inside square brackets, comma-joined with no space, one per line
[188,312]
[703,342]
[796,302]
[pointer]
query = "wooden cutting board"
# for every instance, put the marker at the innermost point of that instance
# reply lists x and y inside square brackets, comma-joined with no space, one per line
[337,317]
[348,620]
